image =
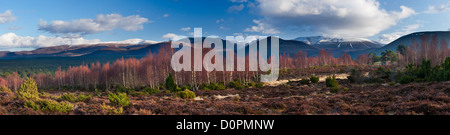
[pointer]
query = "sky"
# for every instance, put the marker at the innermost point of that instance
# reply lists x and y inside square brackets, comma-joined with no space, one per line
[30,24]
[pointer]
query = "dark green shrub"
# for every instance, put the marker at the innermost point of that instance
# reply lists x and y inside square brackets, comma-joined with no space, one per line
[405,79]
[374,80]
[345,89]
[212,86]
[251,84]
[356,76]
[335,89]
[259,85]
[446,70]
[392,83]
[120,88]
[204,87]
[186,87]
[383,73]
[314,79]
[425,69]
[233,84]
[425,72]
[119,99]
[151,91]
[331,81]
[237,85]
[186,94]
[216,86]
[304,81]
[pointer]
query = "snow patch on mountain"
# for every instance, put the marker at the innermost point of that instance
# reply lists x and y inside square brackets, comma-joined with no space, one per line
[135,41]
[315,40]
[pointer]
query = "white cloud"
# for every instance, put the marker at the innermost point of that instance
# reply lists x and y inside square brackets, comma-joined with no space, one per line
[170,36]
[236,8]
[101,23]
[11,41]
[166,15]
[439,8]
[238,1]
[186,29]
[224,28]
[15,28]
[389,37]
[412,27]
[262,27]
[7,17]
[220,20]
[352,18]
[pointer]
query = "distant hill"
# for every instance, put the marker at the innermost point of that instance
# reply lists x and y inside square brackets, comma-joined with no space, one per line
[292,47]
[84,50]
[127,50]
[406,40]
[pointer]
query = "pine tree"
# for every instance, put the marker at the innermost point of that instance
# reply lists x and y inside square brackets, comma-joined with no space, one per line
[170,83]
[29,90]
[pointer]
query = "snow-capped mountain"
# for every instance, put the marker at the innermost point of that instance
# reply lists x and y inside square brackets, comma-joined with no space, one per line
[317,39]
[340,45]
[135,41]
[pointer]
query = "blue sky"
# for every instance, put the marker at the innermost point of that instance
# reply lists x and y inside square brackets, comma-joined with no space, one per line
[28,24]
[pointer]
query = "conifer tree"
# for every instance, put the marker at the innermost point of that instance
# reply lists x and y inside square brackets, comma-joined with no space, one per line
[170,83]
[28,89]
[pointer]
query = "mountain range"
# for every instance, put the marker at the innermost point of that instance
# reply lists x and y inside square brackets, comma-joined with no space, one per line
[310,45]
[339,46]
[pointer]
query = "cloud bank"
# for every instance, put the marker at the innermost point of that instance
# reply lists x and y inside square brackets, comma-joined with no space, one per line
[101,23]
[11,40]
[350,18]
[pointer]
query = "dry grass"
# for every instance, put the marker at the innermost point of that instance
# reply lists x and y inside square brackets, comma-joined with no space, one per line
[292,99]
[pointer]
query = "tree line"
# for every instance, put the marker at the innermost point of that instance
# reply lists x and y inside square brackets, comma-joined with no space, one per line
[153,69]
